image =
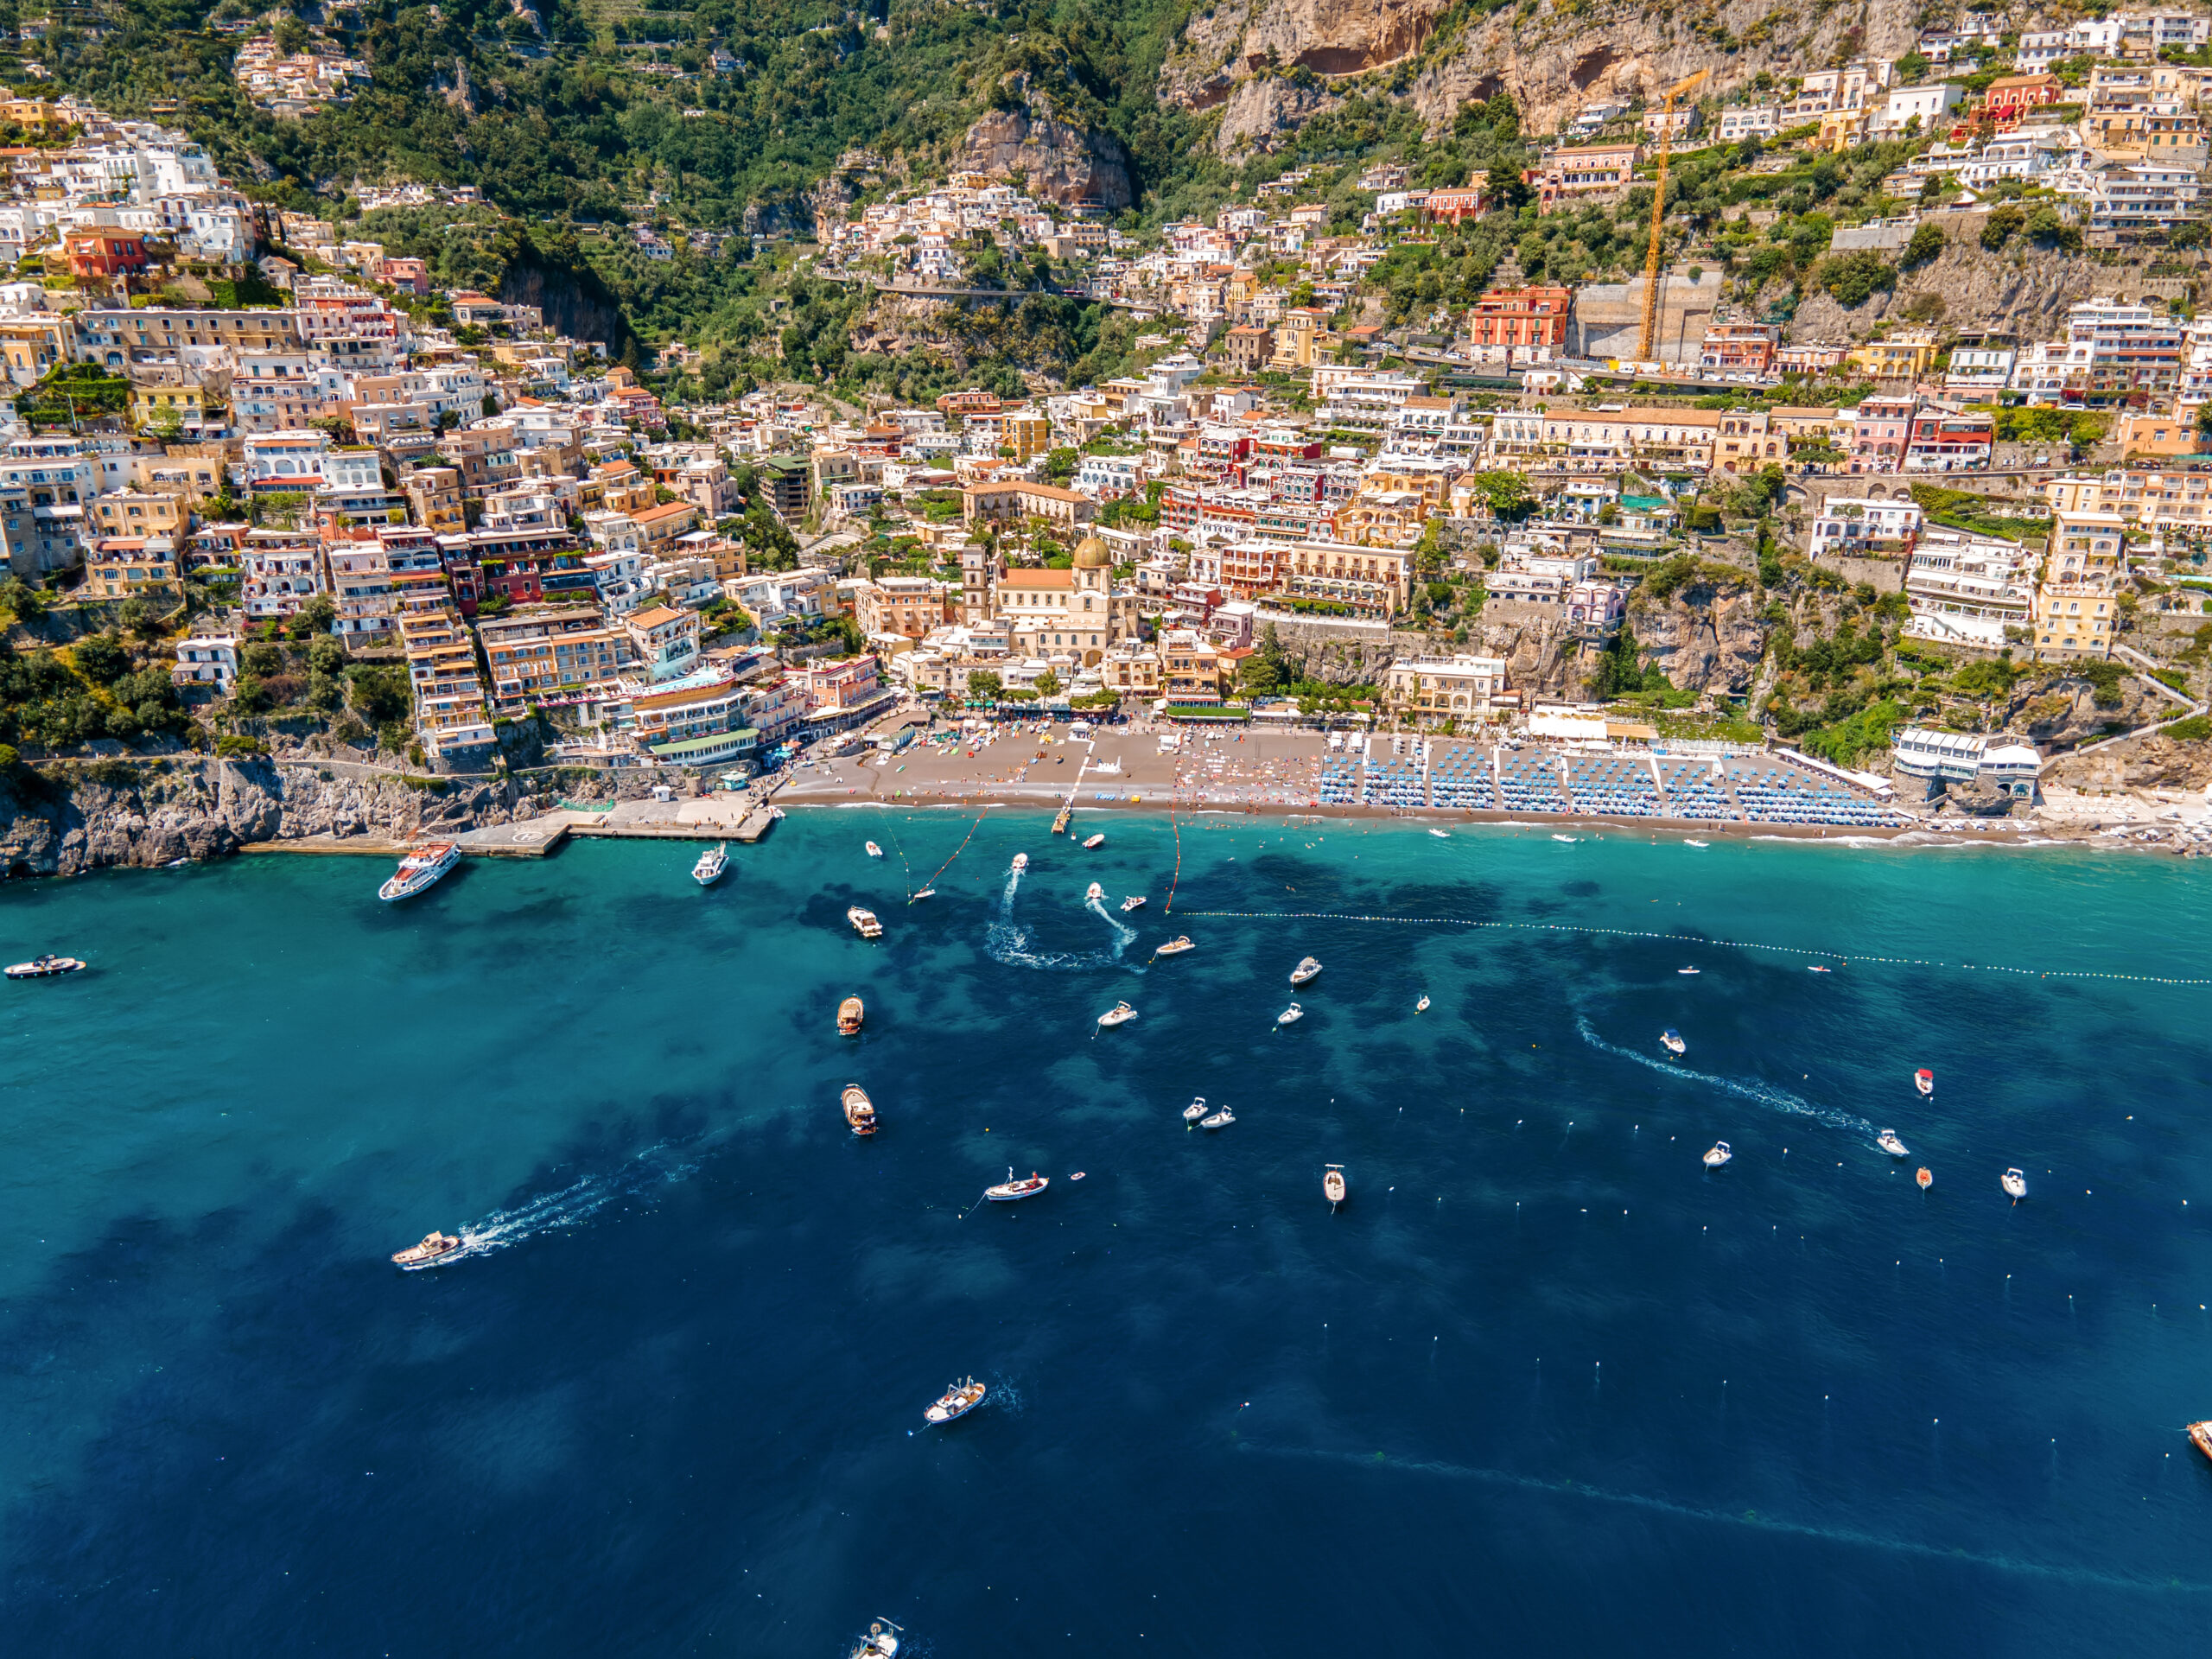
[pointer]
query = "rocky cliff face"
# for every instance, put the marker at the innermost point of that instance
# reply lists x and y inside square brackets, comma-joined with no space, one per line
[2022,290]
[1706,636]
[1059,162]
[1269,63]
[206,809]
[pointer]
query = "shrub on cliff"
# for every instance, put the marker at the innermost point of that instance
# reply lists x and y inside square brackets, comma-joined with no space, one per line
[1850,278]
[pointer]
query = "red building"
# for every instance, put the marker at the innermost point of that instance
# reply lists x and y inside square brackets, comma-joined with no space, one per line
[101,254]
[2009,97]
[1521,317]
[1450,206]
[1739,348]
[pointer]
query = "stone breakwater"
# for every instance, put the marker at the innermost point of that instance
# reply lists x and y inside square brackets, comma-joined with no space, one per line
[200,808]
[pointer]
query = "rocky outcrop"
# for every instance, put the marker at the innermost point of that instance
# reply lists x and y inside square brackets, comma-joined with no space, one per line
[1982,799]
[1706,636]
[2059,712]
[2021,289]
[152,814]
[2153,762]
[1058,161]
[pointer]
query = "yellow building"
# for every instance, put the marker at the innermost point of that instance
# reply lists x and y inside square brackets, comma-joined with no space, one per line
[1025,432]
[130,512]
[1841,129]
[1906,356]
[33,347]
[2077,601]
[156,406]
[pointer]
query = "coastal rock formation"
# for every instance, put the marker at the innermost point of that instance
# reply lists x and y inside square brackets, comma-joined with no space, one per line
[1058,161]
[2022,290]
[1706,636]
[2153,762]
[2061,712]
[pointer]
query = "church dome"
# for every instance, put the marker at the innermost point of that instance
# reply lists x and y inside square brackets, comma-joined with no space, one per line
[1092,554]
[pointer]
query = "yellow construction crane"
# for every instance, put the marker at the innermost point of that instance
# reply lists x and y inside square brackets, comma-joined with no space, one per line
[1659,212]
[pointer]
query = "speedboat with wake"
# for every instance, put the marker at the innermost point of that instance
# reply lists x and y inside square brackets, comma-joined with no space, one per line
[1219,1120]
[438,1247]
[850,1014]
[1924,1080]
[1009,1190]
[1422,1007]
[1291,1016]
[48,967]
[1174,947]
[1718,1154]
[874,851]
[1021,863]
[864,923]
[1888,1142]
[1135,901]
[2015,1184]
[1332,1185]
[1093,894]
[1306,972]
[1671,1040]
[1120,1014]
[957,1400]
[712,862]
[423,868]
[1195,1111]
[1687,970]
[860,1110]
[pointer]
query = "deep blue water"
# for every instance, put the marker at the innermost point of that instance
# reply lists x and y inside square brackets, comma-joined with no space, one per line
[1543,1386]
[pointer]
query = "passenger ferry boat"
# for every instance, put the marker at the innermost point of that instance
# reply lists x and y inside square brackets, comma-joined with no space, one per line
[860,1110]
[432,1250]
[423,868]
[1305,972]
[712,862]
[1120,1014]
[1009,1190]
[864,923]
[1718,1154]
[46,967]
[1174,947]
[850,1014]
[957,1400]
[1332,1185]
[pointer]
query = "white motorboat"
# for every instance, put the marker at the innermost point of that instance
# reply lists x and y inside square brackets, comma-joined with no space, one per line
[1174,947]
[1009,1190]
[1422,1007]
[1671,1040]
[436,1248]
[1291,1016]
[1697,844]
[1570,839]
[1094,894]
[1195,1111]
[874,851]
[1021,863]
[712,862]
[1442,836]
[1305,972]
[1924,1080]
[860,1110]
[2015,1184]
[925,892]
[1095,842]
[957,1400]
[1332,1185]
[1219,1120]
[1888,1142]
[881,1641]
[1120,1014]
[423,868]
[1687,970]
[850,1013]
[46,967]
[864,923]
[1817,969]
[1719,1155]
[1135,901]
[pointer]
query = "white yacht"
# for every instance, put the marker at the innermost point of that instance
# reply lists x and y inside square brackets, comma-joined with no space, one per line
[1291,1016]
[712,862]
[45,967]
[1719,1155]
[2015,1184]
[1021,863]
[864,923]
[1220,1120]
[1094,843]
[1135,901]
[423,868]
[1671,1040]
[1120,1014]
[1305,972]
[1422,1007]
[1888,1142]
[1094,894]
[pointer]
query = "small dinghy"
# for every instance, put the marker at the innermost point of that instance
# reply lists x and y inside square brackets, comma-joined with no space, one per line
[1009,1190]
[438,1247]
[1442,836]
[46,968]
[955,1401]
[1195,1111]
[1422,1007]
[1570,839]
[1697,844]
[712,862]
[1332,1185]
[874,851]
[1218,1120]
[1718,1154]
[849,1013]
[864,923]
[1306,972]
[1817,969]
[1888,1142]
[860,1110]
[2015,1184]
[1925,1178]
[1135,901]
[1291,1016]
[1687,970]
[1174,947]
[1120,1014]
[926,893]
[1094,843]
[1671,1040]
[1924,1080]
[1093,894]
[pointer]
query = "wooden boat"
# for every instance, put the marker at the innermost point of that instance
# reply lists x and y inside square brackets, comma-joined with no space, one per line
[1306,972]
[1718,1155]
[1174,947]
[1332,1185]
[46,968]
[1925,1179]
[436,1248]
[1888,1142]
[1060,823]
[712,862]
[2200,1436]
[860,1110]
[1120,1014]
[1924,1080]
[849,1013]
[2015,1184]
[1094,843]
[955,1401]
[1009,1191]
[864,923]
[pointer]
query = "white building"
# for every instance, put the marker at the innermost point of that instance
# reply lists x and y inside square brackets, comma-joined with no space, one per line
[206,659]
[1963,757]
[1852,524]
[1967,589]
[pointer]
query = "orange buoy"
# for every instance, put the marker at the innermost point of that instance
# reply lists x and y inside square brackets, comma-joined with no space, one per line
[1924,1178]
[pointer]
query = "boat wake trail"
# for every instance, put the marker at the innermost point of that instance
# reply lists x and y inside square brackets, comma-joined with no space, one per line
[1779,1099]
[1123,933]
[663,1164]
[1007,941]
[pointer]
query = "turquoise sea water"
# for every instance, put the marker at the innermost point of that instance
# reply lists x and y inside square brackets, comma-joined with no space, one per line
[1543,1385]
